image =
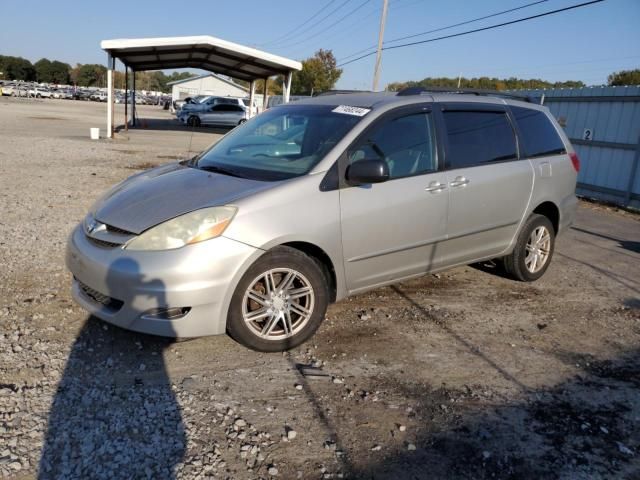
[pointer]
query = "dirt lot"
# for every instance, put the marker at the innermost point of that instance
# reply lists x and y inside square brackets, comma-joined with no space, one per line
[465,374]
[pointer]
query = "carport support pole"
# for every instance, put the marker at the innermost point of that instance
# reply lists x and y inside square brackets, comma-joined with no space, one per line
[126,99]
[287,87]
[111,65]
[265,95]
[133,99]
[252,94]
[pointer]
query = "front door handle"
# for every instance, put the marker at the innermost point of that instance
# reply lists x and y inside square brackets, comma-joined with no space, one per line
[435,187]
[459,182]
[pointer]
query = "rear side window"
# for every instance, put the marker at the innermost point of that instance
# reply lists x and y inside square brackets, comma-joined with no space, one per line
[477,137]
[539,137]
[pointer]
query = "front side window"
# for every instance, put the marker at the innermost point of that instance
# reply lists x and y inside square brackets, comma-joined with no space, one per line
[478,137]
[281,143]
[539,136]
[405,143]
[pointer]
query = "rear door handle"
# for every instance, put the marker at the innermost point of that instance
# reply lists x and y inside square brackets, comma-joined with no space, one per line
[435,187]
[459,182]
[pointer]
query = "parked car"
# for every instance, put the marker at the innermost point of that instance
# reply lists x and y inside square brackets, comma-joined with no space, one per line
[39,92]
[206,103]
[99,96]
[8,89]
[223,114]
[258,234]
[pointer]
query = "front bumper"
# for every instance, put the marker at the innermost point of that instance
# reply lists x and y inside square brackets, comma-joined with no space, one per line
[124,287]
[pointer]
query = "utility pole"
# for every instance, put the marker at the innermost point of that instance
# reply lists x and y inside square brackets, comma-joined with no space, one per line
[383,20]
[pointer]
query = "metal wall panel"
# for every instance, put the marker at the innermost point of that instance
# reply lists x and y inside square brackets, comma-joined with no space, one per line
[609,161]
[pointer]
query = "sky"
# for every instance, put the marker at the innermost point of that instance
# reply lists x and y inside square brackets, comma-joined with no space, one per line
[583,44]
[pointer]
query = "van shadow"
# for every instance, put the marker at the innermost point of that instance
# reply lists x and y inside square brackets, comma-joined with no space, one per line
[584,427]
[114,414]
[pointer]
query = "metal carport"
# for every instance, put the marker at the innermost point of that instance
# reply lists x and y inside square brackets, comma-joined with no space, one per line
[204,52]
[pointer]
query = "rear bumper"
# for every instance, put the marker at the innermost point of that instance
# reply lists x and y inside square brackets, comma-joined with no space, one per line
[125,287]
[568,208]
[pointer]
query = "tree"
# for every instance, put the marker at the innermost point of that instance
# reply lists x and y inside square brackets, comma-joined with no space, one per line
[484,83]
[43,70]
[90,75]
[624,77]
[319,74]
[17,68]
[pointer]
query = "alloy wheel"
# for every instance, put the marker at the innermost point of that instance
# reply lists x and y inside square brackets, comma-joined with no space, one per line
[538,249]
[278,304]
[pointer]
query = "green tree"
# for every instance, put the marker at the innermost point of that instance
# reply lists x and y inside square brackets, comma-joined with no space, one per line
[17,68]
[90,75]
[60,72]
[624,77]
[52,72]
[484,83]
[319,74]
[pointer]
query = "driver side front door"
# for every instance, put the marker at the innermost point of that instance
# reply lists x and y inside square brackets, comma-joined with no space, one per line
[392,230]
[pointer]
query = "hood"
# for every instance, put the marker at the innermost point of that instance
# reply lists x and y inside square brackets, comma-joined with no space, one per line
[155,196]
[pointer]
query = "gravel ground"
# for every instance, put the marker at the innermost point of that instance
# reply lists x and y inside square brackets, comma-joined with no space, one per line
[464,374]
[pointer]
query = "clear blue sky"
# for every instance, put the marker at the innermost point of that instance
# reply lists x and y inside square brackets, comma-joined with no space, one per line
[584,44]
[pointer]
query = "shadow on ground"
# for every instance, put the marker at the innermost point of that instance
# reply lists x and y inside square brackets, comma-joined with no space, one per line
[586,427]
[114,414]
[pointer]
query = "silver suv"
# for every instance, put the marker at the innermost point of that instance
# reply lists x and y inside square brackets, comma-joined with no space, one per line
[324,198]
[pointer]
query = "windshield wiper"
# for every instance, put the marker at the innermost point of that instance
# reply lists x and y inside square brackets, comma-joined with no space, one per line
[222,170]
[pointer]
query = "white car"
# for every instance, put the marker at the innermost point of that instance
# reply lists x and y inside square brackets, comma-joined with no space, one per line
[39,92]
[8,89]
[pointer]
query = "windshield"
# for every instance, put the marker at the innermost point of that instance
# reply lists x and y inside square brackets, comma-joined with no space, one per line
[281,143]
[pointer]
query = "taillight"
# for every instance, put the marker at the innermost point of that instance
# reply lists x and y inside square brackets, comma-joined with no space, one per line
[575,161]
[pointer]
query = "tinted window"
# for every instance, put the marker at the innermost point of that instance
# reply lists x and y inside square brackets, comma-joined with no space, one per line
[478,137]
[539,136]
[405,143]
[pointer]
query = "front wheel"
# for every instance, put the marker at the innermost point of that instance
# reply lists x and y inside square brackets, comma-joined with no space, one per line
[280,301]
[193,121]
[242,121]
[533,251]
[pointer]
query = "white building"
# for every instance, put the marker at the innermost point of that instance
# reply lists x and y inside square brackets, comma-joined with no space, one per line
[207,84]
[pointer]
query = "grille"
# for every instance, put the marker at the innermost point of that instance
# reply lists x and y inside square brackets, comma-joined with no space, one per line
[104,300]
[103,243]
[112,229]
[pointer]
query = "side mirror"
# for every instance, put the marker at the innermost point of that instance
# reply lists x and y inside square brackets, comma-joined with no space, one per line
[367,171]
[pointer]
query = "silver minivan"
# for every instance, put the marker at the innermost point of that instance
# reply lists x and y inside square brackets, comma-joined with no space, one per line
[324,198]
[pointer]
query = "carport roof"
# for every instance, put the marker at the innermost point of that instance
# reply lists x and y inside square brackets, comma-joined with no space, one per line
[205,52]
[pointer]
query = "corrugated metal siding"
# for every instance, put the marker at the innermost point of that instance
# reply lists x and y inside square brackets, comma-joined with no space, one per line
[605,170]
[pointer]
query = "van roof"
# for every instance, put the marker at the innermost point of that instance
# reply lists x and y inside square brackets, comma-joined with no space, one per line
[375,100]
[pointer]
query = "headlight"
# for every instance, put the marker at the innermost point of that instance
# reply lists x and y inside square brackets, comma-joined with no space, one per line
[190,228]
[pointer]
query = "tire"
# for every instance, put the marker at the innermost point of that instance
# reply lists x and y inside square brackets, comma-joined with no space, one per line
[242,121]
[275,313]
[193,121]
[527,268]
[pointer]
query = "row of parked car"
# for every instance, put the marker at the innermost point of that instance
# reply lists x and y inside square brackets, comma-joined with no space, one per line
[34,90]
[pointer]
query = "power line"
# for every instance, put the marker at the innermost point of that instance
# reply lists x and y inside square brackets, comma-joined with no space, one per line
[446,28]
[315,24]
[341,19]
[351,28]
[490,27]
[276,40]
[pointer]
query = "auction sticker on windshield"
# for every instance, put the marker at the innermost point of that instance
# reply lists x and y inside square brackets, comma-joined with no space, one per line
[349,110]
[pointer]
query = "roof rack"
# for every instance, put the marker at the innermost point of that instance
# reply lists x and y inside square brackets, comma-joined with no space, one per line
[339,92]
[465,91]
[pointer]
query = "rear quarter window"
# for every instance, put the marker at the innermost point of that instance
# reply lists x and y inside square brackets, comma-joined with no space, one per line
[539,136]
[478,137]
